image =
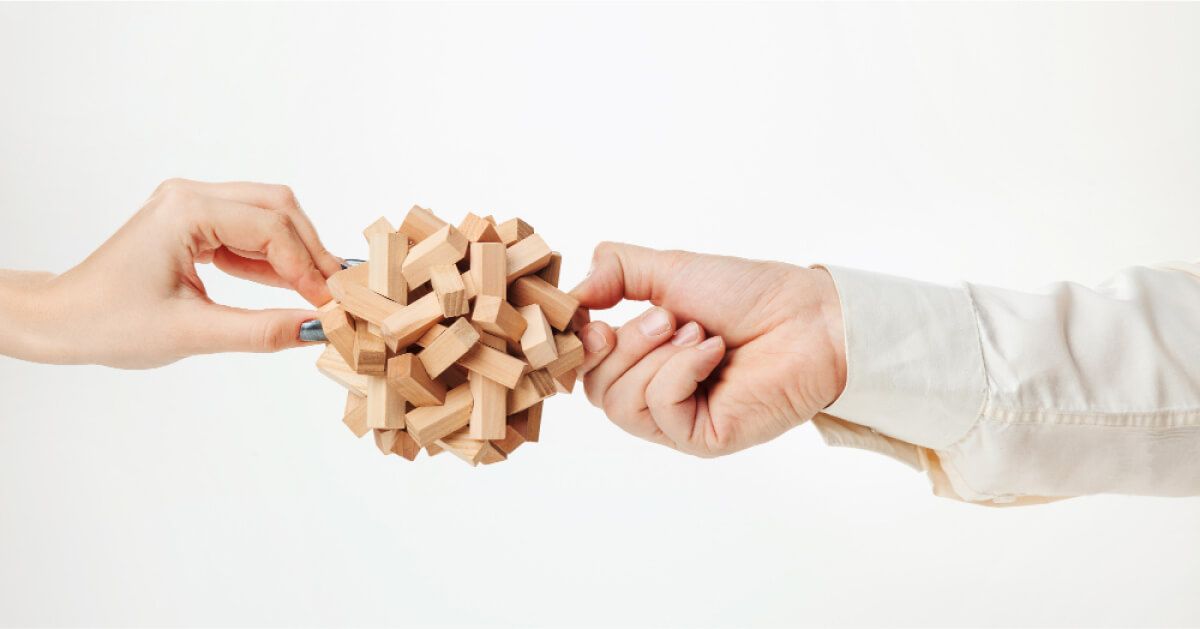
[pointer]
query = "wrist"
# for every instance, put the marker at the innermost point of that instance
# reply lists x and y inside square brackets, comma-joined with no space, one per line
[30,316]
[830,319]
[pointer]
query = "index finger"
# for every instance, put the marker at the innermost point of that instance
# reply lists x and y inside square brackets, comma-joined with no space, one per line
[241,226]
[279,198]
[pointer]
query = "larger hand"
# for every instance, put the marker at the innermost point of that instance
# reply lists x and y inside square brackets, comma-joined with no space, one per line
[777,327]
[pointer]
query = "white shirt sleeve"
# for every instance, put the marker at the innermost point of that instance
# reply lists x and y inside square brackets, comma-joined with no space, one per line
[1011,397]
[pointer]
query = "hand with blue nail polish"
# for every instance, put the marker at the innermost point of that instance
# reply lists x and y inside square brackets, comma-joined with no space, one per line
[734,352]
[137,301]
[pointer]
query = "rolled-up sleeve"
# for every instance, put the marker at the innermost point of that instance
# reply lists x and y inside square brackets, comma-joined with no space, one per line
[1007,397]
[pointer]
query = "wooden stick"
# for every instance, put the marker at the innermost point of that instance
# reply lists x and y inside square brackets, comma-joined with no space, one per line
[370,354]
[407,324]
[528,422]
[478,229]
[449,347]
[405,446]
[511,441]
[528,255]
[339,329]
[420,224]
[558,306]
[385,406]
[445,246]
[451,292]
[570,354]
[537,343]
[489,269]
[533,388]
[408,376]
[388,250]
[430,423]
[496,316]
[490,400]
[381,226]
[553,269]
[496,365]
[355,416]
[335,367]
[514,230]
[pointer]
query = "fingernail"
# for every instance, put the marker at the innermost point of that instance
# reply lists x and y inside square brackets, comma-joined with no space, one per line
[713,342]
[311,330]
[655,322]
[688,334]
[594,341]
[349,262]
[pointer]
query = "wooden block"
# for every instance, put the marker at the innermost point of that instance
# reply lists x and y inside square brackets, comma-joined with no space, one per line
[533,388]
[434,449]
[405,446]
[553,269]
[357,274]
[339,329]
[565,381]
[570,354]
[496,316]
[337,369]
[407,324]
[558,306]
[454,376]
[473,451]
[451,292]
[420,224]
[408,376]
[489,454]
[511,441]
[385,440]
[478,229]
[355,416]
[489,269]
[489,412]
[537,343]
[380,226]
[445,246]
[361,301]
[528,422]
[449,346]
[370,353]
[528,255]
[485,361]
[430,423]
[388,251]
[385,405]
[513,230]
[419,292]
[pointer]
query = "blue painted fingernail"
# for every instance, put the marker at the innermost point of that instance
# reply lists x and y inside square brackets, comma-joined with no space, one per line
[349,262]
[311,330]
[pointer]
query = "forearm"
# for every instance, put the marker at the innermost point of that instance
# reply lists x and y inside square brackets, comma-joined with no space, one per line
[1062,392]
[29,316]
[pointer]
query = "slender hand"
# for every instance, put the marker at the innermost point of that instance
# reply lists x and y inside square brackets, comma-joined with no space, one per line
[137,301]
[734,353]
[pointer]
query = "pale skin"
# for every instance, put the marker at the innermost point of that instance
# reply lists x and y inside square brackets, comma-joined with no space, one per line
[137,301]
[732,354]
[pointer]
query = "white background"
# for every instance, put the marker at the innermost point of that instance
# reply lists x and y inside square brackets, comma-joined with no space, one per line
[1005,144]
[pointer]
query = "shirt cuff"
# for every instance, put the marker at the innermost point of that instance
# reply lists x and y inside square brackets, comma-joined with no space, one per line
[914,368]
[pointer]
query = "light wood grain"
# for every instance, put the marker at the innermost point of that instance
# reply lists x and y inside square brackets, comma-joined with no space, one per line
[528,255]
[445,246]
[558,306]
[427,424]
[451,292]
[408,376]
[449,347]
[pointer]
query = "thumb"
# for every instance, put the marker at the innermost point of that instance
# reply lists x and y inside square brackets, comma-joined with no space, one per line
[226,329]
[621,271]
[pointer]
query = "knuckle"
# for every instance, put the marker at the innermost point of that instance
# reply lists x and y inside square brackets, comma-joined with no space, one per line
[279,223]
[267,336]
[284,197]
[173,183]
